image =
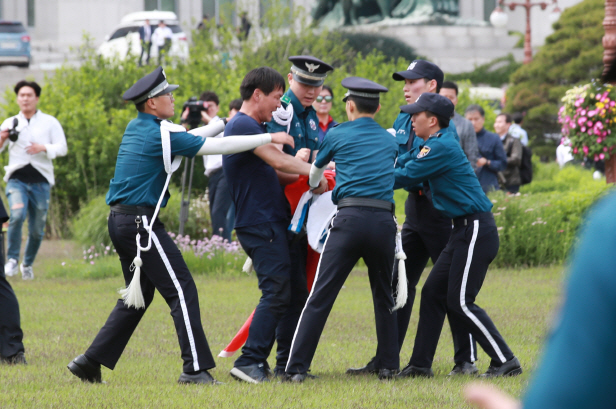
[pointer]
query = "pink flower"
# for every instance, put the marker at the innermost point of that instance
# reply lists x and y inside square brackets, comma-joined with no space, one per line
[583,129]
[596,157]
[585,149]
[583,112]
[598,140]
[575,150]
[612,103]
[605,149]
[601,156]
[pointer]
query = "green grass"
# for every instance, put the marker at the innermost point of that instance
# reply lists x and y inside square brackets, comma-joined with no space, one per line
[61,316]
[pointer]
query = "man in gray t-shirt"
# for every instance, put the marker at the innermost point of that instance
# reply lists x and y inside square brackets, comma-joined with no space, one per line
[466,132]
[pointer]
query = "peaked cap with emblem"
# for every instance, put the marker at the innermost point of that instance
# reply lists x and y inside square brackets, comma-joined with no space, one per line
[429,101]
[309,70]
[421,69]
[152,85]
[361,87]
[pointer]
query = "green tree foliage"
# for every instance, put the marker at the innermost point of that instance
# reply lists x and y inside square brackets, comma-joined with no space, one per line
[571,55]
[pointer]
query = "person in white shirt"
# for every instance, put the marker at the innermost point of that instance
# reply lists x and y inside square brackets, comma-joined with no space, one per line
[516,129]
[563,152]
[29,174]
[162,39]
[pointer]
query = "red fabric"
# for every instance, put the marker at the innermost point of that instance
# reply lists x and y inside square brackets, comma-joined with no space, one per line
[238,340]
[325,125]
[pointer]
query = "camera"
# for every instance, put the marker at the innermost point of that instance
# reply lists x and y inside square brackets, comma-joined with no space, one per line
[194,111]
[14,133]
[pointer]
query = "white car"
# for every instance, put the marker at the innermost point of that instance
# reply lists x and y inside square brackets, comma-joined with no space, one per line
[125,38]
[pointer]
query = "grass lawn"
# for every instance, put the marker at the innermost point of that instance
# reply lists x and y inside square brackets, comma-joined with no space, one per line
[60,317]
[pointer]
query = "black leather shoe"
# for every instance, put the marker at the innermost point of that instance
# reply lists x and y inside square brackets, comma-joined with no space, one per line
[386,374]
[415,372]
[369,369]
[17,359]
[465,368]
[202,377]
[255,373]
[509,368]
[85,369]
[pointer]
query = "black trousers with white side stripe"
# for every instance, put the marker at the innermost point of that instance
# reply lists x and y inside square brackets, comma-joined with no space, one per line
[164,270]
[453,284]
[356,232]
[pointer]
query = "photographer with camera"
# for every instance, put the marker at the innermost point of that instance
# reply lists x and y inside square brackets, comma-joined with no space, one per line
[205,110]
[34,139]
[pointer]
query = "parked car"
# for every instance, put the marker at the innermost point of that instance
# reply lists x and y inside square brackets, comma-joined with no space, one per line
[14,44]
[124,40]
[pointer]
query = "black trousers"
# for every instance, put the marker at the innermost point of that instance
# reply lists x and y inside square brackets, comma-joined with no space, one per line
[283,289]
[355,232]
[11,335]
[452,286]
[425,234]
[220,202]
[164,270]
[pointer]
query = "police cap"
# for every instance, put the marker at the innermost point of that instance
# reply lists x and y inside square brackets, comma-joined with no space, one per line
[428,101]
[421,69]
[361,87]
[152,85]
[309,70]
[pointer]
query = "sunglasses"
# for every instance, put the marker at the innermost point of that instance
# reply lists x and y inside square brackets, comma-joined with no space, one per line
[328,98]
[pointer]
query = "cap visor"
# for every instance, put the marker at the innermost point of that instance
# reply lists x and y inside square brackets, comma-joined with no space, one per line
[406,75]
[412,108]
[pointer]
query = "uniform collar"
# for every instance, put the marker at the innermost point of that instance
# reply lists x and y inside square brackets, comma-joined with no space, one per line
[35,116]
[146,116]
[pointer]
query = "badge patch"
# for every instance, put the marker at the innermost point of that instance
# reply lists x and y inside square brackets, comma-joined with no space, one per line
[423,152]
[313,125]
[285,99]
[401,131]
[413,64]
[312,67]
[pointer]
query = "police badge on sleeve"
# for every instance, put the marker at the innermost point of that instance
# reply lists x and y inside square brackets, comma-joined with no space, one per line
[423,152]
[313,125]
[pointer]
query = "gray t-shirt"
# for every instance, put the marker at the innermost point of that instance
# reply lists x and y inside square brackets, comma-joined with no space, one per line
[468,138]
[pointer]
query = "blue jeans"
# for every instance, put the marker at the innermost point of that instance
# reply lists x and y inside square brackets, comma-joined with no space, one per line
[31,199]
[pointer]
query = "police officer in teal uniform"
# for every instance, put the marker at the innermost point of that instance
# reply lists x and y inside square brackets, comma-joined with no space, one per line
[457,276]
[364,226]
[135,194]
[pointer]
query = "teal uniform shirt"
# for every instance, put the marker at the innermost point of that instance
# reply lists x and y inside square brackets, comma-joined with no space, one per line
[365,155]
[304,126]
[441,161]
[577,369]
[140,172]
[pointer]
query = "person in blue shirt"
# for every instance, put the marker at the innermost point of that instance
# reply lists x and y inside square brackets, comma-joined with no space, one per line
[492,156]
[136,193]
[425,231]
[458,274]
[261,220]
[364,226]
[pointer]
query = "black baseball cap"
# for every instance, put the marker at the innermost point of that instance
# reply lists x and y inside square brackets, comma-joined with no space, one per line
[421,69]
[152,85]
[309,70]
[429,101]
[362,87]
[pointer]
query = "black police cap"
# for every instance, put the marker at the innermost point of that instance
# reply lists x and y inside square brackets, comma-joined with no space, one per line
[428,101]
[362,87]
[309,70]
[152,85]
[421,69]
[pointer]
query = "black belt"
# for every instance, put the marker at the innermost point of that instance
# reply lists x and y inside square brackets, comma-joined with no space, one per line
[469,218]
[128,209]
[366,202]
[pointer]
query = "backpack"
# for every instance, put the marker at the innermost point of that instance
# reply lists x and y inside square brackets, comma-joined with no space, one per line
[526,167]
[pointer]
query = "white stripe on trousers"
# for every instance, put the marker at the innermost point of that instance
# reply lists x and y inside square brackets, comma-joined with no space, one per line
[468,313]
[314,284]
[176,283]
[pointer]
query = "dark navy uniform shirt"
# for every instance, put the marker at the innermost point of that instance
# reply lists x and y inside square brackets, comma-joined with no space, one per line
[490,147]
[304,127]
[365,155]
[441,161]
[140,172]
[253,184]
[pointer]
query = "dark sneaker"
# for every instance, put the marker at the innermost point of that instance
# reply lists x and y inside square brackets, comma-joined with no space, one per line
[369,369]
[86,369]
[17,359]
[465,368]
[294,378]
[255,373]
[386,374]
[415,372]
[509,368]
[202,377]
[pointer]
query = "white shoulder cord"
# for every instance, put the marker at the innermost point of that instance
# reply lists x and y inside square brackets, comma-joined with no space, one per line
[284,116]
[402,291]
[132,295]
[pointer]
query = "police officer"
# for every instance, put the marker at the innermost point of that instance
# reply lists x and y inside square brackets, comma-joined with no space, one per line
[137,191]
[425,231]
[364,226]
[458,274]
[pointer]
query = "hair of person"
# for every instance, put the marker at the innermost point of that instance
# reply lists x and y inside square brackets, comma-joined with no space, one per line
[475,108]
[264,78]
[329,89]
[517,117]
[450,85]
[365,105]
[23,83]
[235,104]
[442,121]
[508,117]
[210,96]
[141,107]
